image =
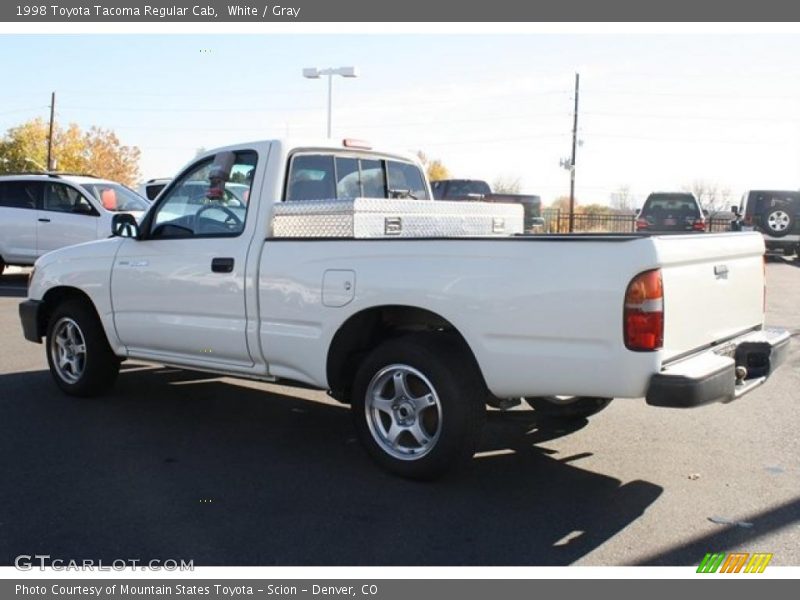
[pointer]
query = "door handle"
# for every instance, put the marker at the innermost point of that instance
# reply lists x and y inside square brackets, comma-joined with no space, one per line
[44,220]
[222,265]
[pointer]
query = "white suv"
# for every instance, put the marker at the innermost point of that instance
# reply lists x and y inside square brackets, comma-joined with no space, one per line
[43,212]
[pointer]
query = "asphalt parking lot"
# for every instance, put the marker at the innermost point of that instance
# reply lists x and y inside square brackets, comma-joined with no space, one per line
[177,464]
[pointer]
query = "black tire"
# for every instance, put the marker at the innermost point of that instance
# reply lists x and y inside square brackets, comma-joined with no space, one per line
[2,266]
[87,373]
[778,222]
[437,373]
[573,407]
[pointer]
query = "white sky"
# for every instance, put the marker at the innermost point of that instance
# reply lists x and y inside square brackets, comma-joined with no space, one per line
[656,111]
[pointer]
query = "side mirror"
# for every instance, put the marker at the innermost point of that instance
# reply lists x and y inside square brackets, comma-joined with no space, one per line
[124,225]
[735,210]
[81,208]
[705,212]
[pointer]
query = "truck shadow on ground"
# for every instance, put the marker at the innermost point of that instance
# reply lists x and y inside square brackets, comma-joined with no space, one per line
[175,464]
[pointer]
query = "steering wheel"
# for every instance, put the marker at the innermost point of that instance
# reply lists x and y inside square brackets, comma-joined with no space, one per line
[232,218]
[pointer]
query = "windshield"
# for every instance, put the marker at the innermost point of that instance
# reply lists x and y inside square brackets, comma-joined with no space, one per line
[115,197]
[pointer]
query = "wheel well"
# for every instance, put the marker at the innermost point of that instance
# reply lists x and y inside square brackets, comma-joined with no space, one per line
[56,296]
[365,330]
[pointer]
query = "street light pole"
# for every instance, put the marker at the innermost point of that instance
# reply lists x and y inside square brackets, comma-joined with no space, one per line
[315,73]
[330,102]
[50,134]
[572,160]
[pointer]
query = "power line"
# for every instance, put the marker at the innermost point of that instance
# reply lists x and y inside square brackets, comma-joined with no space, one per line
[687,116]
[679,140]
[730,95]
[228,109]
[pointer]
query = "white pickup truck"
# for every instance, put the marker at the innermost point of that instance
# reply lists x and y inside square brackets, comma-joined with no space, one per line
[419,332]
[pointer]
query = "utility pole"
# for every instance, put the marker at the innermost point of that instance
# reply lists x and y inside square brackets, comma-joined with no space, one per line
[50,136]
[572,160]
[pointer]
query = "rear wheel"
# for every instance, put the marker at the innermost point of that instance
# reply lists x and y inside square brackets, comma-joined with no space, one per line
[418,405]
[80,359]
[568,407]
[779,222]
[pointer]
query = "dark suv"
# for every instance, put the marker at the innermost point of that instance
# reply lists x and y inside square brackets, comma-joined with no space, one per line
[776,214]
[671,212]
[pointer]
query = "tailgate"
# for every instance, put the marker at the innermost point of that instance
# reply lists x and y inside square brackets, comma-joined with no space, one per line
[713,288]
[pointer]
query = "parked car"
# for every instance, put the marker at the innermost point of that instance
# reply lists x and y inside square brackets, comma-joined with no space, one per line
[151,188]
[776,214]
[384,305]
[43,212]
[479,190]
[671,212]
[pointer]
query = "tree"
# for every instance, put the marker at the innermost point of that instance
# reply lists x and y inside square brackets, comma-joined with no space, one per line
[622,199]
[97,151]
[506,184]
[594,209]
[712,196]
[434,169]
[562,203]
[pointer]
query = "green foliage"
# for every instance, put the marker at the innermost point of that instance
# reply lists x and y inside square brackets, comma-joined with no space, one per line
[96,151]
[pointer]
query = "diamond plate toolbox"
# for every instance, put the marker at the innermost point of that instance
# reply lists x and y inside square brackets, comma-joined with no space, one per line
[389,218]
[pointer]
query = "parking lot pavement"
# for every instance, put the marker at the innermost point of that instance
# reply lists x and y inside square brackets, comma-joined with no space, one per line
[178,464]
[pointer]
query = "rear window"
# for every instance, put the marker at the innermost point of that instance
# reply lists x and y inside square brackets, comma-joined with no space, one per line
[328,177]
[20,194]
[677,205]
[459,188]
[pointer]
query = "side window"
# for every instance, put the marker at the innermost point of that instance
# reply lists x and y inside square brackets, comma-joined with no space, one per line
[59,197]
[201,202]
[20,194]
[373,181]
[311,177]
[348,182]
[406,177]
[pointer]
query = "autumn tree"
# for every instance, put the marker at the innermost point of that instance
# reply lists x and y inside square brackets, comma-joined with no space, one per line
[561,203]
[506,184]
[434,168]
[97,151]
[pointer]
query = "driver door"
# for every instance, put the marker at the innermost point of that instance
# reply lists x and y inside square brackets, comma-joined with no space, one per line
[179,292]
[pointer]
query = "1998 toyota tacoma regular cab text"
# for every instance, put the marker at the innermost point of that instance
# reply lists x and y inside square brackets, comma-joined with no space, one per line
[417,313]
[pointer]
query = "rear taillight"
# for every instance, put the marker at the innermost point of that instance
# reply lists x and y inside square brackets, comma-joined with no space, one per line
[644,312]
[699,225]
[748,219]
[641,224]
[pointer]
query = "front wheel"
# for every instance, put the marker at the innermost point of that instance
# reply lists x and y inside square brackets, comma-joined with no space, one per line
[418,405]
[568,407]
[80,359]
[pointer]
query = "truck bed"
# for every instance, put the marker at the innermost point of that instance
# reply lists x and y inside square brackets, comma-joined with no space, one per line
[542,314]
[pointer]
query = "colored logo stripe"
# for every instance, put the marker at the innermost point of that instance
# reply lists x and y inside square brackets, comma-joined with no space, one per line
[711,562]
[734,562]
[758,562]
